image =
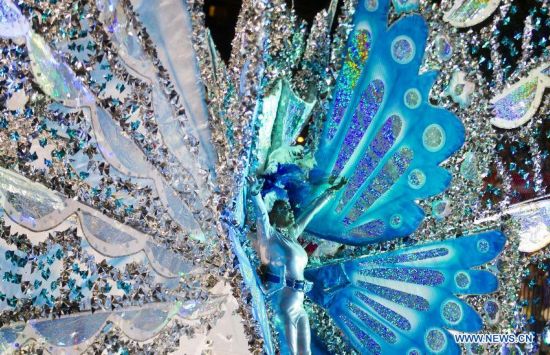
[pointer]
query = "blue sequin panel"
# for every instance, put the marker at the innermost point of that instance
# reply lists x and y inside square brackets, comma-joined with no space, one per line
[418,276]
[358,50]
[364,338]
[405,299]
[364,113]
[383,141]
[391,316]
[341,102]
[373,324]
[371,229]
[408,257]
[382,183]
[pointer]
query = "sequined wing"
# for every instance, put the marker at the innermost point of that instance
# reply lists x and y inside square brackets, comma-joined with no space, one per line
[98,215]
[187,146]
[516,105]
[405,302]
[382,133]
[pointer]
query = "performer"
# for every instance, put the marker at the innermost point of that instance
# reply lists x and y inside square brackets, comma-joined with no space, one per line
[284,260]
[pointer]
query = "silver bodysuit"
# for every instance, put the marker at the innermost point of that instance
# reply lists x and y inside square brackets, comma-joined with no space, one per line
[285,257]
[288,259]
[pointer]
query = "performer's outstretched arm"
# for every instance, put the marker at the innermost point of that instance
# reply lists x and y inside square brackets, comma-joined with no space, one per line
[262,217]
[316,205]
[311,210]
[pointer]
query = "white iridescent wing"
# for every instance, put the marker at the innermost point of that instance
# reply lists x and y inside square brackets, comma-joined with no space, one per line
[34,207]
[516,105]
[174,134]
[135,149]
[59,82]
[169,26]
[75,333]
[466,13]
[533,218]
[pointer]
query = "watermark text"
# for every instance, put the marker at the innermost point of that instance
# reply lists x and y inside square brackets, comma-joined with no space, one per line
[523,338]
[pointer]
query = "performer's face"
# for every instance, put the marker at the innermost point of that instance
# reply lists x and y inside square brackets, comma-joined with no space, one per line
[281,214]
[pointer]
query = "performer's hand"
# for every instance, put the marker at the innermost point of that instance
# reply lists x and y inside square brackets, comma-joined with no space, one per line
[338,185]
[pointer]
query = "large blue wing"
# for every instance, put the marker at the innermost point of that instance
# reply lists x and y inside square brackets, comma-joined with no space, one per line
[405,301]
[382,133]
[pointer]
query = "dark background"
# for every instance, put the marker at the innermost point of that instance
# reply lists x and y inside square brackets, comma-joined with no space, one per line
[221,18]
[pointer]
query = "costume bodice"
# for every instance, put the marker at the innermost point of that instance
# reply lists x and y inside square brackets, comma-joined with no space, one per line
[284,251]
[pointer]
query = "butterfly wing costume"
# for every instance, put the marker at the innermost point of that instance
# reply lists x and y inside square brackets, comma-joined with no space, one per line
[383,135]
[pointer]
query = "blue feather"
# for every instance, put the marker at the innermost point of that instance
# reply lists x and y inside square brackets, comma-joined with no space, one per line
[289,182]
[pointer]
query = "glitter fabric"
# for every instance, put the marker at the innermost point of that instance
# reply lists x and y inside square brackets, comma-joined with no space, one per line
[436,340]
[451,312]
[358,51]
[411,257]
[389,175]
[516,104]
[492,310]
[402,49]
[462,280]
[433,138]
[366,341]
[419,276]
[391,316]
[399,297]
[125,140]
[375,152]
[412,98]
[470,12]
[373,324]
[370,101]
[368,230]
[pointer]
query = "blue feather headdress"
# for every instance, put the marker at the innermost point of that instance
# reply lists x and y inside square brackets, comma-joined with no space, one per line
[288,183]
